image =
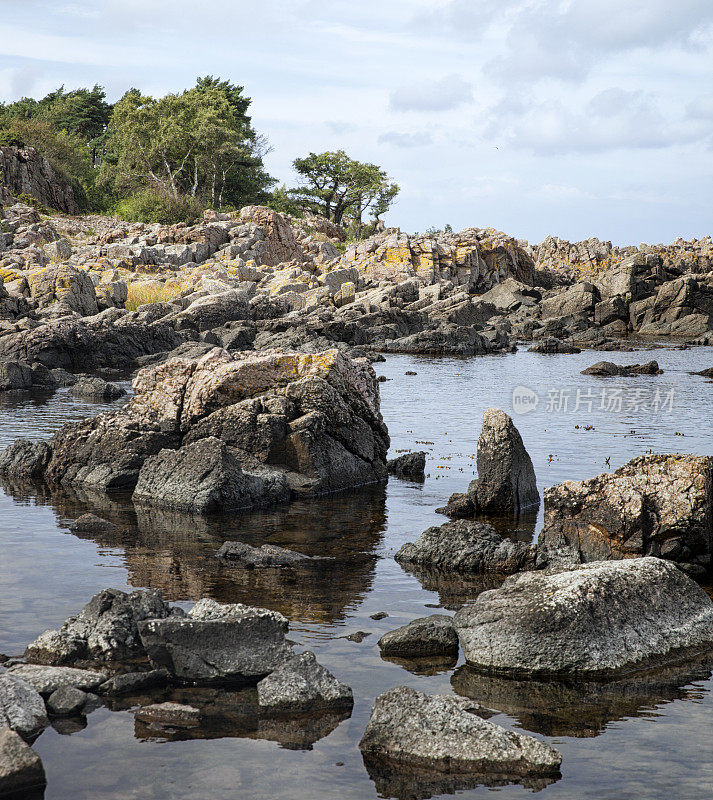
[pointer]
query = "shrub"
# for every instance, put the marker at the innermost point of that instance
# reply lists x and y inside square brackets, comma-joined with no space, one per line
[10,139]
[143,292]
[152,205]
[31,200]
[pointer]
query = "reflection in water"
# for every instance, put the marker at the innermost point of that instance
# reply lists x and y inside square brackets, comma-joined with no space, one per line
[454,588]
[582,708]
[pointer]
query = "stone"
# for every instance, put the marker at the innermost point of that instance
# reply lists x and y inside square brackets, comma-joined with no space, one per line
[47,679]
[467,546]
[506,477]
[410,466]
[657,505]
[443,733]
[21,769]
[59,250]
[606,368]
[217,643]
[97,389]
[14,376]
[423,637]
[300,686]
[104,631]
[66,701]
[25,459]
[461,505]
[21,707]
[170,715]
[133,682]
[94,526]
[267,555]
[601,619]
[25,170]
[551,344]
[64,283]
[204,477]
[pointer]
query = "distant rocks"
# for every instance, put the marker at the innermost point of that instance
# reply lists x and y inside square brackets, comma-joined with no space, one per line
[600,619]
[607,368]
[410,466]
[422,638]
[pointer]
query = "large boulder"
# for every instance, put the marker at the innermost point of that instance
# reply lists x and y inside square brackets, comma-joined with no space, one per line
[280,244]
[21,769]
[63,283]
[600,619]
[657,505]
[423,637]
[443,733]
[21,707]
[217,643]
[25,459]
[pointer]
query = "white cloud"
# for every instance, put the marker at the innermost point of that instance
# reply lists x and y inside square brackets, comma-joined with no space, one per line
[418,139]
[444,94]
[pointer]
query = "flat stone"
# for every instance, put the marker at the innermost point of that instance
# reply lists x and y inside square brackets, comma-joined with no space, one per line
[172,715]
[267,555]
[423,637]
[131,682]
[46,680]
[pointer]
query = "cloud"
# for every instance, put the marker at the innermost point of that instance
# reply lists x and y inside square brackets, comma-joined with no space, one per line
[405,140]
[444,94]
[338,127]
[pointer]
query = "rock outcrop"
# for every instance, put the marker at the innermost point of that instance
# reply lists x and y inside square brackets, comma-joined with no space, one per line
[601,619]
[24,171]
[410,466]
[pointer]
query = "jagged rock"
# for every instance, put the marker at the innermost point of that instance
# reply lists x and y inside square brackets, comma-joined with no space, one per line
[48,679]
[301,685]
[21,769]
[21,707]
[609,368]
[15,375]
[214,310]
[104,631]
[411,466]
[59,250]
[426,636]
[66,701]
[657,505]
[280,244]
[97,389]
[170,715]
[25,459]
[24,171]
[206,476]
[443,733]
[217,643]
[510,295]
[602,618]
[267,555]
[63,283]
[467,546]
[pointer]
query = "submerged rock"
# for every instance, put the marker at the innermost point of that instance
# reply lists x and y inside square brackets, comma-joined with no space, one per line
[602,618]
[423,637]
[21,707]
[467,546]
[267,555]
[170,715]
[610,368]
[93,525]
[411,466]
[21,769]
[658,505]
[443,733]
[301,685]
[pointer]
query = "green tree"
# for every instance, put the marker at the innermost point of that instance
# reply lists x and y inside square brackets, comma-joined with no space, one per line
[341,189]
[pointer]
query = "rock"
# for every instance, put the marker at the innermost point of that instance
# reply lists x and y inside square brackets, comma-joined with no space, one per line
[104,631]
[510,295]
[24,170]
[66,701]
[133,682]
[609,368]
[47,679]
[602,618]
[97,389]
[217,643]
[657,505]
[64,283]
[21,707]
[25,459]
[466,546]
[267,555]
[14,376]
[409,466]
[550,344]
[460,506]
[280,245]
[206,477]
[707,373]
[301,686]
[379,615]
[426,636]
[93,525]
[506,477]
[169,715]
[59,250]
[443,733]
[21,769]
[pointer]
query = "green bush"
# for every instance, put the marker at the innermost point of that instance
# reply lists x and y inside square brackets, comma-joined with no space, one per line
[10,139]
[31,200]
[153,205]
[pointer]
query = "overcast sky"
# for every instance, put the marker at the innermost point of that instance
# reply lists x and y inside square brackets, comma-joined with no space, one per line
[575,118]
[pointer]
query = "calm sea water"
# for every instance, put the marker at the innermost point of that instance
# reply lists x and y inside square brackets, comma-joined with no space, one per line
[644,739]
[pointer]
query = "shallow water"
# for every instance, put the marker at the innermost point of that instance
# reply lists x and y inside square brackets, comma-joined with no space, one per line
[642,739]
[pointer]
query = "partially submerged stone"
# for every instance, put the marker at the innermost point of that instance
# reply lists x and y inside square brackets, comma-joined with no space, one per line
[602,618]
[97,389]
[21,769]
[171,715]
[608,368]
[443,733]
[267,555]
[302,685]
[48,679]
[410,466]
[94,525]
[21,707]
[25,459]
[66,701]
[423,637]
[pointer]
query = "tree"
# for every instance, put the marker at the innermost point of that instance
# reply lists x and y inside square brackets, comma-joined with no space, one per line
[338,187]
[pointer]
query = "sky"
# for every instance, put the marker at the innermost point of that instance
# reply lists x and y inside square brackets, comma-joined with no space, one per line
[574,118]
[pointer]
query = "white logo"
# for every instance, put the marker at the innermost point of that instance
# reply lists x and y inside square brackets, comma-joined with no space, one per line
[524,400]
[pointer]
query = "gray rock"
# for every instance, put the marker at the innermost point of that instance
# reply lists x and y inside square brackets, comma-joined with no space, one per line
[267,555]
[607,368]
[205,477]
[410,466]
[104,631]
[506,477]
[426,636]
[217,643]
[467,546]
[25,459]
[169,715]
[603,618]
[97,389]
[66,701]
[21,769]
[21,707]
[444,733]
[133,682]
[93,525]
[15,375]
[301,685]
[46,679]
[460,506]
[551,344]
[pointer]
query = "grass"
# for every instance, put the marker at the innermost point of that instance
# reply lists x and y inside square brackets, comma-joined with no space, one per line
[141,293]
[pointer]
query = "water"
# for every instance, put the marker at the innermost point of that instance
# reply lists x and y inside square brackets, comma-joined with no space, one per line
[643,739]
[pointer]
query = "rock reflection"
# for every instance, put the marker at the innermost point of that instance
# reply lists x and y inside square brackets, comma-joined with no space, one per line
[424,666]
[454,589]
[583,708]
